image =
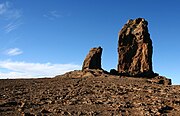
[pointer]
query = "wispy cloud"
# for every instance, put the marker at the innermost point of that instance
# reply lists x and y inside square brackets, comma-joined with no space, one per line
[11,16]
[3,7]
[52,15]
[13,52]
[30,70]
[12,26]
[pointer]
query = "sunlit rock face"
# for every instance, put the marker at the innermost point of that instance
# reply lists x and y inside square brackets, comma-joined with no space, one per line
[135,49]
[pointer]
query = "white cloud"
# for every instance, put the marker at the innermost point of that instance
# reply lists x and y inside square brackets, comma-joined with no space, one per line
[3,7]
[55,14]
[51,15]
[11,16]
[8,12]
[13,75]
[30,70]
[12,26]
[13,52]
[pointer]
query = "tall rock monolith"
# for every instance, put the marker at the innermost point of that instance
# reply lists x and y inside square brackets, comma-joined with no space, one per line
[93,59]
[135,49]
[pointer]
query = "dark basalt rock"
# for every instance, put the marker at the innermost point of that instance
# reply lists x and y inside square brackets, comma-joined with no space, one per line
[114,72]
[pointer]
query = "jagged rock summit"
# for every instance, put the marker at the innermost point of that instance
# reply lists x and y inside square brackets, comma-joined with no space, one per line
[93,59]
[134,55]
[135,49]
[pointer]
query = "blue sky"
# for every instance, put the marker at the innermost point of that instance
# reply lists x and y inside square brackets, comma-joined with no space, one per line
[49,37]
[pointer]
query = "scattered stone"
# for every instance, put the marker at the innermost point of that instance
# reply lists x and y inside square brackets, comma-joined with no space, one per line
[160,80]
[45,111]
[88,74]
[165,109]
[8,103]
[22,104]
[66,113]
[104,93]
[27,114]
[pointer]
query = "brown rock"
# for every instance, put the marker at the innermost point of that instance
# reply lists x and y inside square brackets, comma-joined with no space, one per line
[135,49]
[160,80]
[45,111]
[93,59]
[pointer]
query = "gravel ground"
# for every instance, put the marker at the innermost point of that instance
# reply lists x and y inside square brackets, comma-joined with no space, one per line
[78,93]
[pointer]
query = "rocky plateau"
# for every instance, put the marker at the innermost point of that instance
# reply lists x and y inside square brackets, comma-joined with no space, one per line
[133,89]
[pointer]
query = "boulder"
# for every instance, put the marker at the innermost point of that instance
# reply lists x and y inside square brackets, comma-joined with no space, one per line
[160,80]
[135,49]
[93,59]
[114,72]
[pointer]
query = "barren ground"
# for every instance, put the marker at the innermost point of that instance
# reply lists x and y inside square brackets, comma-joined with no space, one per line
[100,95]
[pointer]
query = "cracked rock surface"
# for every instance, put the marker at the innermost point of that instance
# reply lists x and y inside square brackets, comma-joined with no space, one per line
[135,49]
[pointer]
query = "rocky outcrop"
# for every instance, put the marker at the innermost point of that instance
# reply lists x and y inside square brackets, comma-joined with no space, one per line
[160,80]
[93,59]
[135,49]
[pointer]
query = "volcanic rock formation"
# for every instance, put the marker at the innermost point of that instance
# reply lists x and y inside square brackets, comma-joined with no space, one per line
[93,59]
[95,92]
[135,49]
